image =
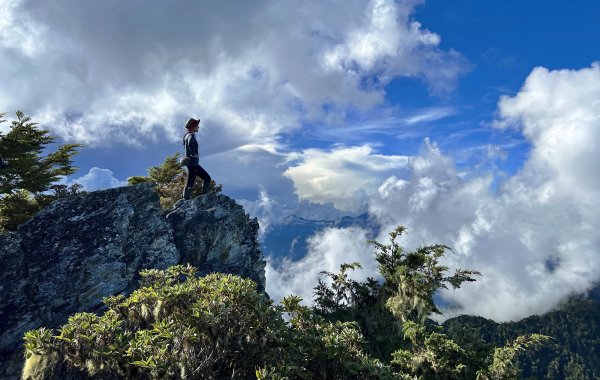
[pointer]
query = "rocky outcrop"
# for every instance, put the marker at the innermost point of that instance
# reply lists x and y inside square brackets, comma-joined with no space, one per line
[213,233]
[81,249]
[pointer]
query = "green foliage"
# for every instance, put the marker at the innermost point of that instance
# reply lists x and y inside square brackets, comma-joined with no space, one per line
[431,354]
[179,326]
[169,178]
[503,364]
[28,183]
[573,353]
[344,299]
[343,293]
[321,349]
[421,349]
[174,326]
[412,278]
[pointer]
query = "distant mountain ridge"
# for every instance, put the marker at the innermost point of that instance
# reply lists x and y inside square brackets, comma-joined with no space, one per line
[573,353]
[289,238]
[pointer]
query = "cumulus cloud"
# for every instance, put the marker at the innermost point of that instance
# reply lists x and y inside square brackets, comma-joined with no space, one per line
[98,179]
[327,250]
[344,176]
[559,112]
[535,237]
[102,72]
[387,47]
[534,241]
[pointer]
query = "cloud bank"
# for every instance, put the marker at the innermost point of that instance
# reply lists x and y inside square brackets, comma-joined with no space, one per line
[345,176]
[534,237]
[327,250]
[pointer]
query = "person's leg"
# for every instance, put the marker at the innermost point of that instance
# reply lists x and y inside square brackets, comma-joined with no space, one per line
[189,182]
[205,179]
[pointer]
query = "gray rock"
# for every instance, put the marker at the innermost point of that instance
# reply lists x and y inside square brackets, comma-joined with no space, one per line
[213,233]
[81,249]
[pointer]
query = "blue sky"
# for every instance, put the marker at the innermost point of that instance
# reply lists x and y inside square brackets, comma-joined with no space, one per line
[475,124]
[501,43]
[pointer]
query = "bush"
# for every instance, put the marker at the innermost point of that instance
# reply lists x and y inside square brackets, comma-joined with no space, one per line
[178,326]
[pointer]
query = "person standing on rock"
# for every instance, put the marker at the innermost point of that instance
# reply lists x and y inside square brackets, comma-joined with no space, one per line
[193,160]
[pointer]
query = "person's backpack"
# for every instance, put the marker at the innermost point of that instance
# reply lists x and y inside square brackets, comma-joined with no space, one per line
[3,163]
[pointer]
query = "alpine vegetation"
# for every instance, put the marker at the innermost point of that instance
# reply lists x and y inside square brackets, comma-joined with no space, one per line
[181,326]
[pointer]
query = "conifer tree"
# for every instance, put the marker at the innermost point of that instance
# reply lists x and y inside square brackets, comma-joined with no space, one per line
[29,181]
[409,281]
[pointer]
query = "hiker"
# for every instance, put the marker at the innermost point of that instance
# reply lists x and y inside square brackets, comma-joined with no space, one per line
[193,160]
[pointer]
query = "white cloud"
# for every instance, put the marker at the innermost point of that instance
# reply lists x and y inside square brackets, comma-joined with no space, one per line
[534,242]
[559,112]
[98,179]
[390,44]
[328,249]
[261,167]
[17,31]
[344,176]
[110,72]
[534,238]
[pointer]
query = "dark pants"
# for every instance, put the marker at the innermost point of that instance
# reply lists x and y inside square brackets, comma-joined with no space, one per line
[194,171]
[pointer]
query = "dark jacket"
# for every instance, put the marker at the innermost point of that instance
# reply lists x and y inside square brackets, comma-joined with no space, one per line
[191,148]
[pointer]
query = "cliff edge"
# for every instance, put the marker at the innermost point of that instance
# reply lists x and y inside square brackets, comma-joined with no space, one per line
[83,248]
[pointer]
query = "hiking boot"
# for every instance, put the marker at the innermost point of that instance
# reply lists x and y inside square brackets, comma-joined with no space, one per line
[187,192]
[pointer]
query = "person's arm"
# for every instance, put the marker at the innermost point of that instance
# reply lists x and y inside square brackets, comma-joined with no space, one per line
[194,146]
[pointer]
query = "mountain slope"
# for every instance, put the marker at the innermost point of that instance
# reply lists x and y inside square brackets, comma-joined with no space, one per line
[574,353]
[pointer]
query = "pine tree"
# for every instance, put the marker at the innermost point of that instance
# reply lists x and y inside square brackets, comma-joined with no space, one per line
[29,182]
